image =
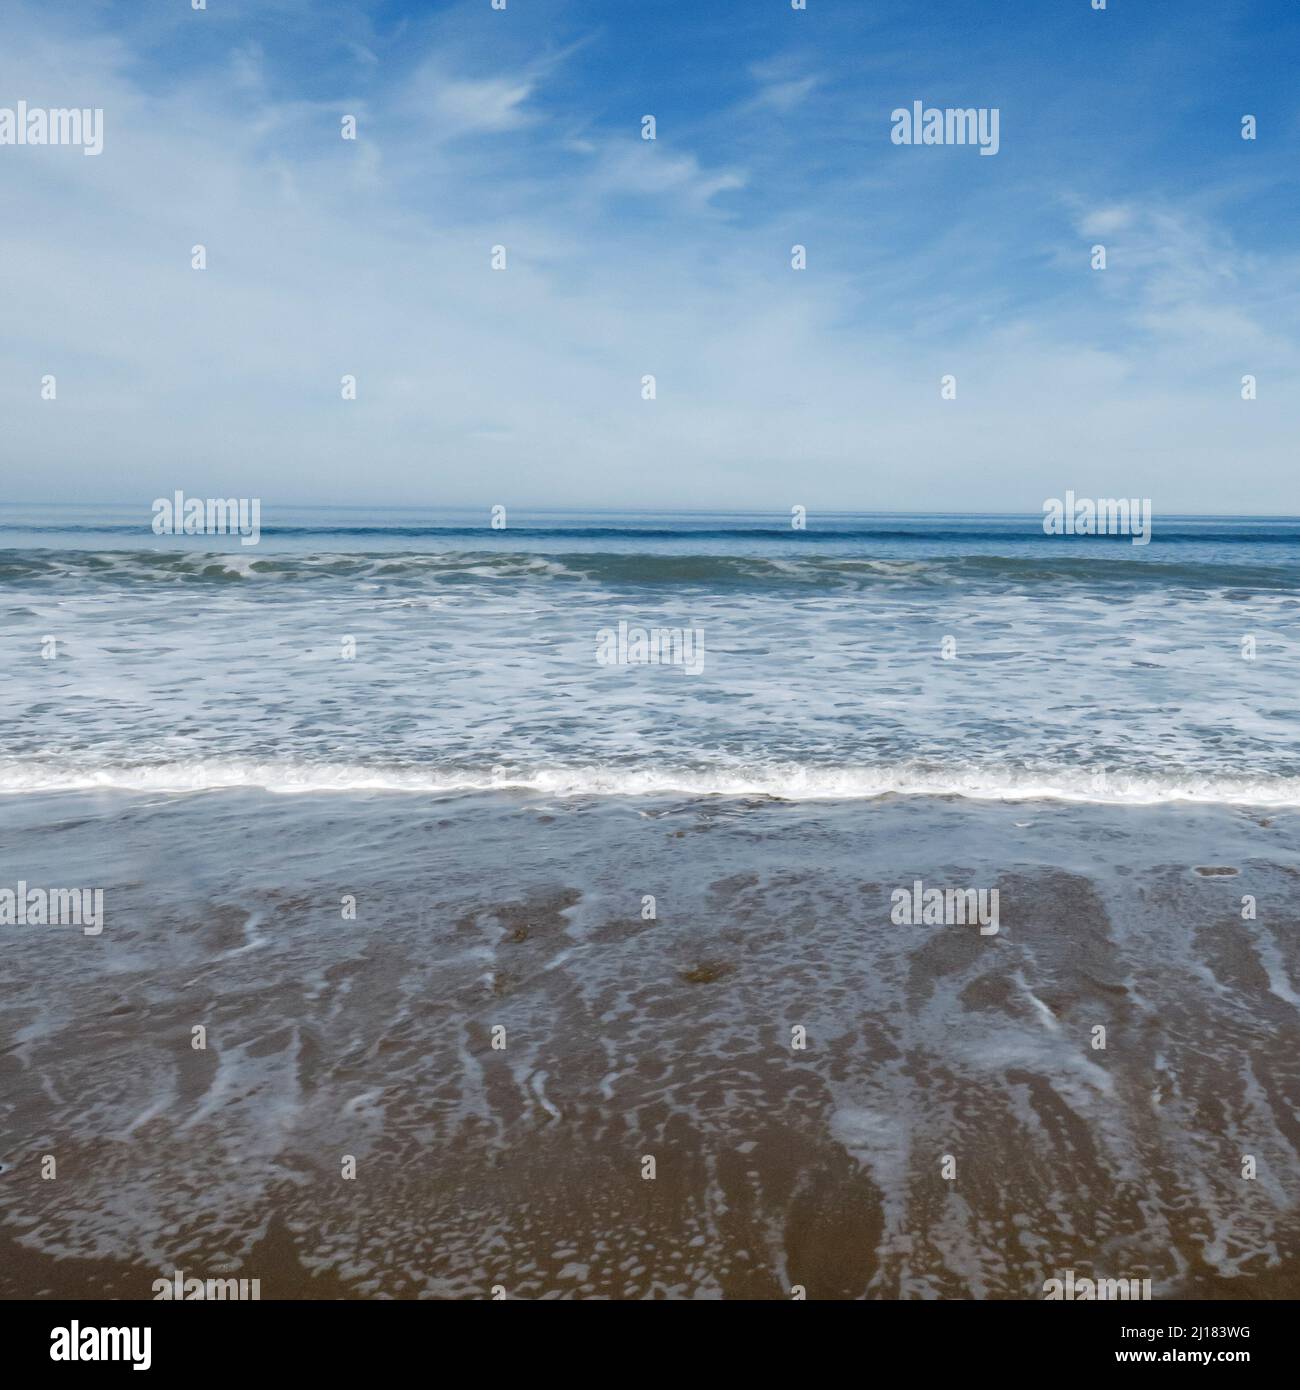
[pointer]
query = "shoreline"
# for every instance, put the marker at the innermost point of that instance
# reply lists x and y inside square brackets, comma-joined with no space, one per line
[670,1037]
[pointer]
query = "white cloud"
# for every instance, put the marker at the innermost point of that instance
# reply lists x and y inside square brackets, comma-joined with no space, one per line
[372,258]
[1104,221]
[464,107]
[649,167]
[786,95]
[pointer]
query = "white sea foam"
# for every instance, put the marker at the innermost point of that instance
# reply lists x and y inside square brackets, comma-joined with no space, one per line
[787,782]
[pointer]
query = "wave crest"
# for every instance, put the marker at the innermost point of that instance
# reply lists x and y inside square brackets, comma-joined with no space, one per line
[1048,565]
[781,782]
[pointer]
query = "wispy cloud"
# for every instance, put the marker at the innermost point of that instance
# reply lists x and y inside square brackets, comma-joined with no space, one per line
[786,94]
[625,258]
[463,106]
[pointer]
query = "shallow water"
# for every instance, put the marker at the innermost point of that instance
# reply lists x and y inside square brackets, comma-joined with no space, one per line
[670,1038]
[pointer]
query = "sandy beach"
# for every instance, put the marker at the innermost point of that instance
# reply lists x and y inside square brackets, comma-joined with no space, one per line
[521,1168]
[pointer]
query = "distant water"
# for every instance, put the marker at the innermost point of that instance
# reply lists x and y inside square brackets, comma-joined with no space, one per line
[1084,668]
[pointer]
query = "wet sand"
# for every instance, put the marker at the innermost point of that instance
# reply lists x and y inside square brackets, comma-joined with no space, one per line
[931,1049]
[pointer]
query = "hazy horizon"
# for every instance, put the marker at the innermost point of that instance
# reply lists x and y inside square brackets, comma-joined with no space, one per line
[649,510]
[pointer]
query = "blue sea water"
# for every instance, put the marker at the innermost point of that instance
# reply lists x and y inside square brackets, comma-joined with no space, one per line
[862,656]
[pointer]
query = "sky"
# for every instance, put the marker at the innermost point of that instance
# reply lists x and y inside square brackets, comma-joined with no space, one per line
[671,258]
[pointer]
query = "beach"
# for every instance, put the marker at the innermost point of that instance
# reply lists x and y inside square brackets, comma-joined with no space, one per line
[522,1168]
[650,908]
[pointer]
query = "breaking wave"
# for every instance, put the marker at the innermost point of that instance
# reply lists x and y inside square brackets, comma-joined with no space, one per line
[1049,565]
[781,782]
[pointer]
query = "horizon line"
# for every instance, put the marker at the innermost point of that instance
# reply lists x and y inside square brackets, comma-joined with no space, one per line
[669,511]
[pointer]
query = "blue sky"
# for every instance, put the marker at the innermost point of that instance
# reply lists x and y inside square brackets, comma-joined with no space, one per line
[627,257]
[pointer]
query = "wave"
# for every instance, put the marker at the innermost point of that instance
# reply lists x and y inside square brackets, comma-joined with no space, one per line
[778,782]
[788,571]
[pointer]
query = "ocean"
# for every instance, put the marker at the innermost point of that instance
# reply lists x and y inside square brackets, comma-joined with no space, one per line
[551,874]
[1081,667]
